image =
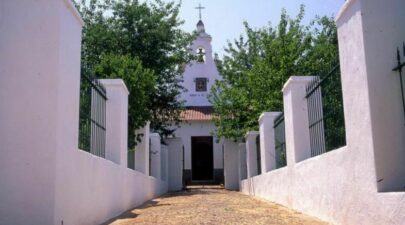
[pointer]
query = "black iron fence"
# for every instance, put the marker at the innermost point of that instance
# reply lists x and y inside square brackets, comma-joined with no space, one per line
[92,121]
[325,111]
[279,137]
[398,68]
[258,156]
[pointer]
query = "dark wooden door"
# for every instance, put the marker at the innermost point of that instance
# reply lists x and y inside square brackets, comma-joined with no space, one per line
[202,158]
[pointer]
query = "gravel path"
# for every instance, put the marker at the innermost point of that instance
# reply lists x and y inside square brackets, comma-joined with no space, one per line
[211,206]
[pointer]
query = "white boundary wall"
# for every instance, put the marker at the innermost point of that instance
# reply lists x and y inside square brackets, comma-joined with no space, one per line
[350,185]
[44,178]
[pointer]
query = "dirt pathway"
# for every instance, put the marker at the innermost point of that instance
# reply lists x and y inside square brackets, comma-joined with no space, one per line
[211,206]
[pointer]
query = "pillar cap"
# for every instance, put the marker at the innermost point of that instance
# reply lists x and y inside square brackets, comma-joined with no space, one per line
[74,11]
[251,133]
[154,135]
[293,80]
[271,115]
[344,8]
[115,83]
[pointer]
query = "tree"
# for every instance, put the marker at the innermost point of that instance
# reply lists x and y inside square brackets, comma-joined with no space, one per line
[257,65]
[138,79]
[149,35]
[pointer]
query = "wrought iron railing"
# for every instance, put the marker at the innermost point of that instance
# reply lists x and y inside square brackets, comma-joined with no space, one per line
[279,137]
[258,156]
[398,68]
[92,121]
[325,111]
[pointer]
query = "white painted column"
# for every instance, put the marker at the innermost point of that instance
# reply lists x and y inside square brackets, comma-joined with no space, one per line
[116,121]
[267,141]
[231,161]
[39,94]
[296,119]
[142,150]
[374,29]
[251,153]
[155,148]
[164,162]
[242,167]
[175,152]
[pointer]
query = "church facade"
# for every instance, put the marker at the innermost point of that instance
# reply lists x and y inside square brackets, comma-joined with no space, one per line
[202,152]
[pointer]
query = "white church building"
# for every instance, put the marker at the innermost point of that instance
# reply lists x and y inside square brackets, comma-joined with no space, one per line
[202,152]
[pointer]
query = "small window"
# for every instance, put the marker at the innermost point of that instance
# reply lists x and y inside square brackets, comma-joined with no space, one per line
[200,55]
[201,84]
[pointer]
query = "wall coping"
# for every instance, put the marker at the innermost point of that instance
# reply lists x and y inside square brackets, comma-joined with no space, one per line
[344,8]
[154,135]
[272,115]
[296,80]
[74,11]
[115,83]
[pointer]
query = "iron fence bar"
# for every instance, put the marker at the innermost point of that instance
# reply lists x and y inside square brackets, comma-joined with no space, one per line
[320,120]
[279,119]
[97,124]
[321,81]
[97,87]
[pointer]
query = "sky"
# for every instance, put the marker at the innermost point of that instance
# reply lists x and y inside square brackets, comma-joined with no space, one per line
[223,19]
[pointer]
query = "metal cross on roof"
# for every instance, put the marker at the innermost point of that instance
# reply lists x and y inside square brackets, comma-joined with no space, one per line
[199,9]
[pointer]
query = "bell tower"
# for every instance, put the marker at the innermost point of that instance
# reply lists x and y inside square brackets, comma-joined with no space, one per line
[200,74]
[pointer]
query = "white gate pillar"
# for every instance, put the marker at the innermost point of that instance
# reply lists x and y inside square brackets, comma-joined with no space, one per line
[142,151]
[267,140]
[296,119]
[116,121]
[155,155]
[251,153]
[242,167]
[231,161]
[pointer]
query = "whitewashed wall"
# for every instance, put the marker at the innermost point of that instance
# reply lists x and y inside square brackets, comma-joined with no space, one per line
[361,183]
[92,190]
[45,179]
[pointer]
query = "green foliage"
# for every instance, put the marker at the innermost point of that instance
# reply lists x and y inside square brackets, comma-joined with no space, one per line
[138,79]
[148,35]
[257,65]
